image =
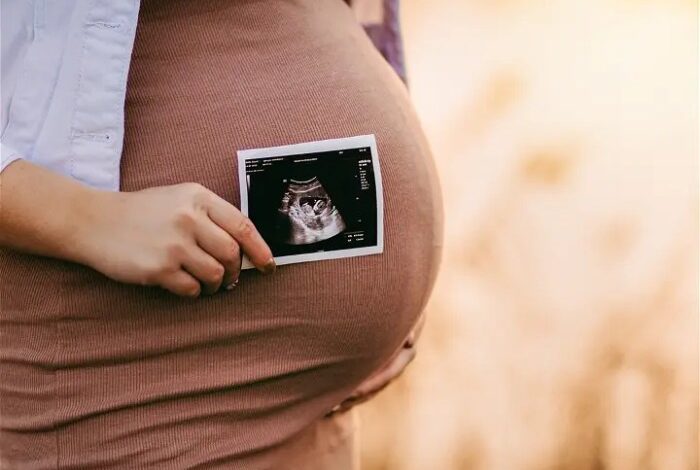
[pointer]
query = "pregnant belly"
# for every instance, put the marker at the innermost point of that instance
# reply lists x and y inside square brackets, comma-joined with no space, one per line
[246,369]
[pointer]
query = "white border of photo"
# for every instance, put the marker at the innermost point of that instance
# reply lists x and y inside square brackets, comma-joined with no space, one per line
[318,147]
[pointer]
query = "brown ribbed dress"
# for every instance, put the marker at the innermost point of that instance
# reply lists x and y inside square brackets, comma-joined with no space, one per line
[99,374]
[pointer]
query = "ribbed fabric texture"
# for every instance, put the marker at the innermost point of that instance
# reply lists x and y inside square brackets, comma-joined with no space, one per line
[98,374]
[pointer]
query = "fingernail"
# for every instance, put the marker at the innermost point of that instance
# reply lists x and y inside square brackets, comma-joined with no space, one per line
[410,341]
[231,285]
[269,267]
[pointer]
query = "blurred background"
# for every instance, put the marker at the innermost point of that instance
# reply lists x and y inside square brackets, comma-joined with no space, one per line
[563,329]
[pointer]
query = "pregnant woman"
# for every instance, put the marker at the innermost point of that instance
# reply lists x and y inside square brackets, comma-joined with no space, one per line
[128,338]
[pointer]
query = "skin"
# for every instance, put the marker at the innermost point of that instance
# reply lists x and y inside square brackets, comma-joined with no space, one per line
[386,375]
[183,238]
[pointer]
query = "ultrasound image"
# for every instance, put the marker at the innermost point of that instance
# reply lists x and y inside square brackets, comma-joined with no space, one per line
[309,213]
[314,202]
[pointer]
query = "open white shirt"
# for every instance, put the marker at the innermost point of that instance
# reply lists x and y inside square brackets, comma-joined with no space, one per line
[64,70]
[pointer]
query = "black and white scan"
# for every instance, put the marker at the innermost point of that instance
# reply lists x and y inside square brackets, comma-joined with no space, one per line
[312,205]
[308,213]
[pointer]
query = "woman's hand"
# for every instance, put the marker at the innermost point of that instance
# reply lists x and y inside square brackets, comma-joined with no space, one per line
[174,236]
[387,374]
[183,238]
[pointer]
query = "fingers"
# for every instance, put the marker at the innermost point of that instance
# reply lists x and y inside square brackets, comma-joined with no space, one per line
[219,244]
[387,374]
[347,405]
[182,284]
[204,267]
[415,332]
[378,381]
[242,229]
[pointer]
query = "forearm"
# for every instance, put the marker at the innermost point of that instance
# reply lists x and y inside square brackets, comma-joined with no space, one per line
[43,212]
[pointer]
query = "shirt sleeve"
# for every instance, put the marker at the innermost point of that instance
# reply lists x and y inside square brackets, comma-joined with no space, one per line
[7,156]
[16,36]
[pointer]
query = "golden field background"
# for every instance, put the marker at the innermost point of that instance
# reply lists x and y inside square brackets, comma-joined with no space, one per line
[563,328]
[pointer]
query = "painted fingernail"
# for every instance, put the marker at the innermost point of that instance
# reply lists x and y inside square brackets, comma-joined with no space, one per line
[410,341]
[231,285]
[269,267]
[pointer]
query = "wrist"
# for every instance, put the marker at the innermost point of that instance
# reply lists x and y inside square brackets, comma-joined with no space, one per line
[92,210]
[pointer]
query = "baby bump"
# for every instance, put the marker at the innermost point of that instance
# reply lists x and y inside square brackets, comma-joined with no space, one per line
[285,347]
[306,73]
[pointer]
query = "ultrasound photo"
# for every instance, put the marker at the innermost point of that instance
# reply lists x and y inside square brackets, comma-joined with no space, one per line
[315,200]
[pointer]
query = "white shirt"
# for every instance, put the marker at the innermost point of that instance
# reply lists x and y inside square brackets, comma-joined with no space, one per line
[64,67]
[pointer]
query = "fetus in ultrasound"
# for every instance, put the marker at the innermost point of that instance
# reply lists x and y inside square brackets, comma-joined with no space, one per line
[307,213]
